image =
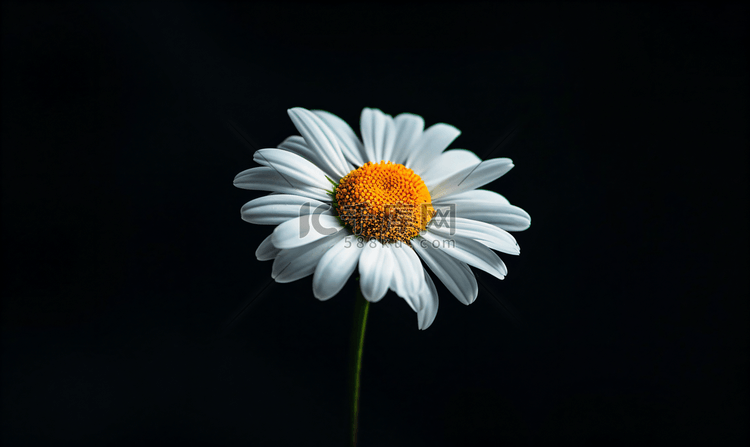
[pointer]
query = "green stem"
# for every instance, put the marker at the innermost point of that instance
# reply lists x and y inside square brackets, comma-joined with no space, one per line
[361,307]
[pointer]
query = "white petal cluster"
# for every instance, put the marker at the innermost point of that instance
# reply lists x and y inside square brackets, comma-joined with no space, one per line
[295,173]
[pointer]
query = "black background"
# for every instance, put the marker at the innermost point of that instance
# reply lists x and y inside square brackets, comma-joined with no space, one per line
[125,259]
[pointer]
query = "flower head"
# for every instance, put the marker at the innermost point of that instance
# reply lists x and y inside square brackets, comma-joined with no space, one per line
[384,205]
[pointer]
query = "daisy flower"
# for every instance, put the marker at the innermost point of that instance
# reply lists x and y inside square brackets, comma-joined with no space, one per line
[382,205]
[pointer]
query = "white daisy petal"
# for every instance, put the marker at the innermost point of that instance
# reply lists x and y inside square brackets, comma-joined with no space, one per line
[278,208]
[456,275]
[429,145]
[297,145]
[407,280]
[335,267]
[490,235]
[475,195]
[348,141]
[320,138]
[378,134]
[409,128]
[429,297]
[292,166]
[266,251]
[448,163]
[375,270]
[469,251]
[304,230]
[471,178]
[268,179]
[296,263]
[507,217]
[487,206]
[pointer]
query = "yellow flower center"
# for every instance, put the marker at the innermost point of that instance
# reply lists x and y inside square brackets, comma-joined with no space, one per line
[384,201]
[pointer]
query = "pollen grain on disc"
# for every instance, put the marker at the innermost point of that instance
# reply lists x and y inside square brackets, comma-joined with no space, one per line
[384,201]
